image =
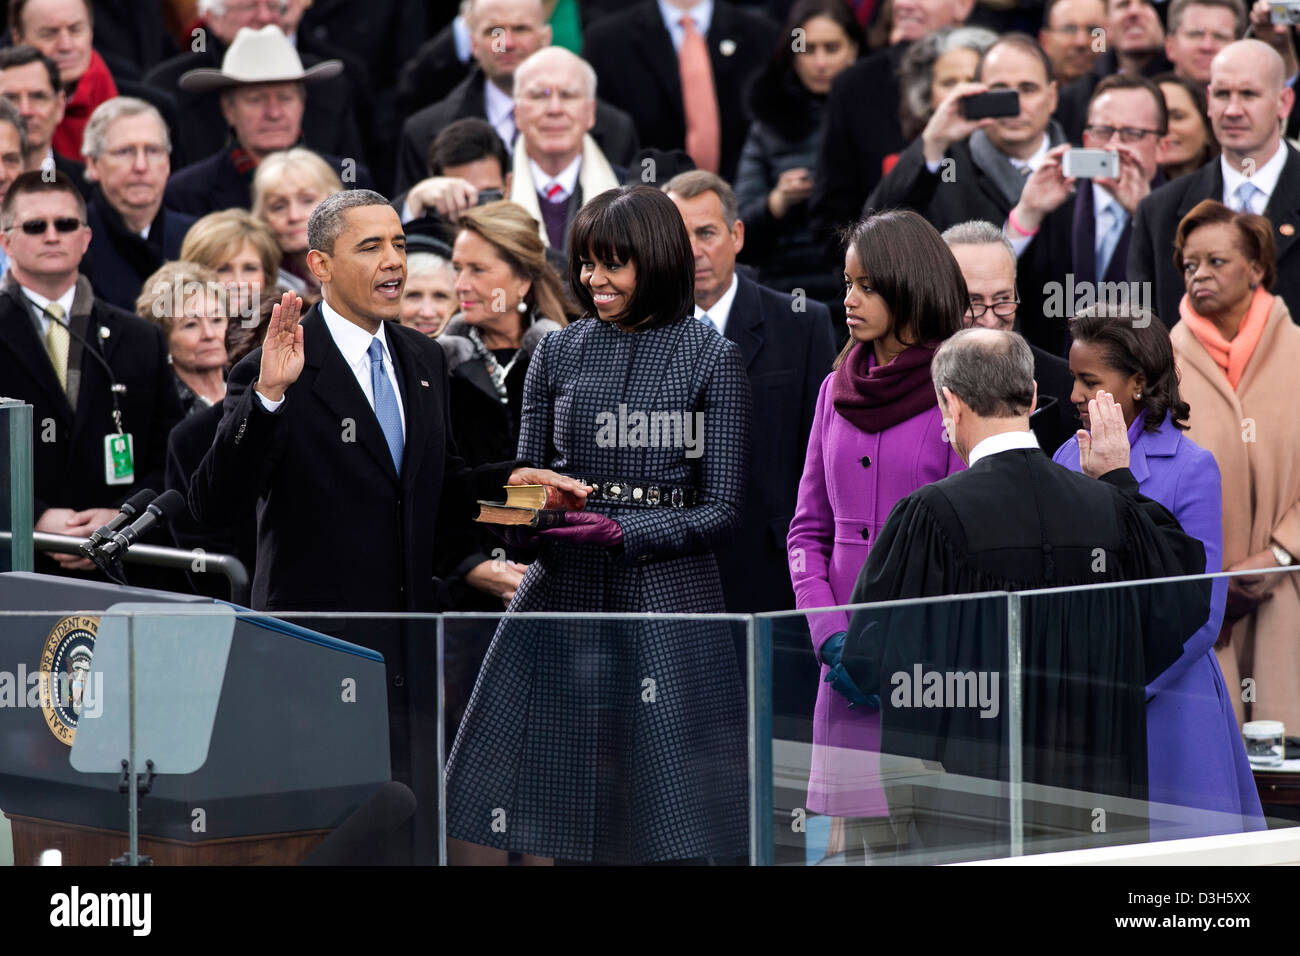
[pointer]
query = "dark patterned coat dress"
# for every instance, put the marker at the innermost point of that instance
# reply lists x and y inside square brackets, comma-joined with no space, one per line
[619,741]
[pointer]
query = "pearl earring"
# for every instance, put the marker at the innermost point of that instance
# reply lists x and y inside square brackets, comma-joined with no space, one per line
[522,306]
[1137,397]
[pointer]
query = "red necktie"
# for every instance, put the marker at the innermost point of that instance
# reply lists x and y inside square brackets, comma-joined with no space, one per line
[703,136]
[553,192]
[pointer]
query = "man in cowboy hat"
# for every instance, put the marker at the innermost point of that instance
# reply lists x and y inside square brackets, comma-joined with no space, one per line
[331,119]
[262,88]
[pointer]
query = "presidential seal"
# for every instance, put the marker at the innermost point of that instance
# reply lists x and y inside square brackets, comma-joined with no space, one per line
[65,673]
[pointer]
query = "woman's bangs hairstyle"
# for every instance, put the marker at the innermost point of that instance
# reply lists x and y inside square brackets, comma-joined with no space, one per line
[912,269]
[1133,340]
[640,225]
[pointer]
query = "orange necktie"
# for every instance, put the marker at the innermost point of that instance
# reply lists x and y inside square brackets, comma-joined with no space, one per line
[703,135]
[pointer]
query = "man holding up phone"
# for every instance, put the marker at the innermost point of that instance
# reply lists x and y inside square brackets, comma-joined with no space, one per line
[1072,222]
[971,160]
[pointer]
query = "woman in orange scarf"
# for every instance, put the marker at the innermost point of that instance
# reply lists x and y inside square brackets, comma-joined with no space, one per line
[1239,354]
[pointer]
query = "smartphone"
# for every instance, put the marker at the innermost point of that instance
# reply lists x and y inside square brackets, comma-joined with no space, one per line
[486,196]
[1284,12]
[991,104]
[1090,164]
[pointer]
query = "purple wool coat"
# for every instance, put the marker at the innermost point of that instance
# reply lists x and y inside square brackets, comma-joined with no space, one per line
[1195,755]
[851,481]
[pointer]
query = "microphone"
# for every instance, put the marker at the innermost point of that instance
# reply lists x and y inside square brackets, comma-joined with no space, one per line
[131,508]
[163,508]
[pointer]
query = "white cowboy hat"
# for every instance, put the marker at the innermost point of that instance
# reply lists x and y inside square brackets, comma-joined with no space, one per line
[258,56]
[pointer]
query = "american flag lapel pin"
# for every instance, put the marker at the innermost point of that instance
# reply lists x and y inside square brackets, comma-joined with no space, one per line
[423,383]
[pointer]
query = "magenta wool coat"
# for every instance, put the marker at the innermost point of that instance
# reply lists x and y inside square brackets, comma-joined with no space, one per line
[851,481]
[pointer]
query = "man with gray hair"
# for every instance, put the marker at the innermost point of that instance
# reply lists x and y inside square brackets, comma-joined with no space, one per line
[262,94]
[988,264]
[330,108]
[1016,521]
[557,166]
[128,158]
[348,410]
[786,345]
[503,34]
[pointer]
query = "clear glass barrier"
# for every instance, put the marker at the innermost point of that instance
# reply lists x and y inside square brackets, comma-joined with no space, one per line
[1033,722]
[615,739]
[1005,724]
[910,777]
[15,485]
[1132,702]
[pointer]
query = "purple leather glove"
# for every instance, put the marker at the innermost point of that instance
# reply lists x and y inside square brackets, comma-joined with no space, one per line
[585,527]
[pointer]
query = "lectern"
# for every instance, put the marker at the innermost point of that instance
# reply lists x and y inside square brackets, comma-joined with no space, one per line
[253,737]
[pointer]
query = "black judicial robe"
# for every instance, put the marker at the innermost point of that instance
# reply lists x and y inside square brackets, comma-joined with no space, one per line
[1017,521]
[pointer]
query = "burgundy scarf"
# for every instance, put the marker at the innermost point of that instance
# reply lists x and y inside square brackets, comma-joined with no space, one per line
[875,397]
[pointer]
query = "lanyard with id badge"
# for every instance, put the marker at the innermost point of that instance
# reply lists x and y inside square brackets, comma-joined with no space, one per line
[119,451]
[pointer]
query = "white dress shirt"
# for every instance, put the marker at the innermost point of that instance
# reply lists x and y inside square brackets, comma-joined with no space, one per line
[566,179]
[41,302]
[701,15]
[722,308]
[500,109]
[1002,441]
[1264,179]
[354,344]
[1036,160]
[1101,198]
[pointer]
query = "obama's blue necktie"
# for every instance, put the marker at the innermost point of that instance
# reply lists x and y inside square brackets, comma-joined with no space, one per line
[386,410]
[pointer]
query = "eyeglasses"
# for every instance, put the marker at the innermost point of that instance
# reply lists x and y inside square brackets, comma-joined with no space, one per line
[127,154]
[37,227]
[1127,134]
[1003,310]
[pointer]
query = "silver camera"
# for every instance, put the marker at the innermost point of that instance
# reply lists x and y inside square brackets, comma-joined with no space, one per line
[1090,164]
[1284,12]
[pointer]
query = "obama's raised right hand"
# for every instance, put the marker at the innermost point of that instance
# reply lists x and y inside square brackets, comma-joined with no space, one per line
[282,355]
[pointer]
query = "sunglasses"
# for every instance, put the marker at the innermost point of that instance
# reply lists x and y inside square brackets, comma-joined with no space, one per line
[37,227]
